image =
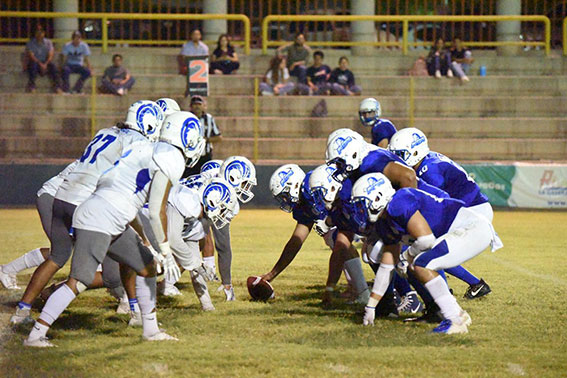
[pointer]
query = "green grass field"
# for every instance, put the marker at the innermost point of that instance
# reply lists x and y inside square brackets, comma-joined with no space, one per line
[520,329]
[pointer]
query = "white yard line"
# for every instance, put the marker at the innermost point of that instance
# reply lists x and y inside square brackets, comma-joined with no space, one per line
[513,266]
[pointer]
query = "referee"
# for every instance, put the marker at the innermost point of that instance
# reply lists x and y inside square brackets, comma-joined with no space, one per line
[211,133]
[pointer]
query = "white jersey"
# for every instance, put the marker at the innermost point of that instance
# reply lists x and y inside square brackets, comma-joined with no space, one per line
[99,156]
[187,202]
[123,190]
[52,185]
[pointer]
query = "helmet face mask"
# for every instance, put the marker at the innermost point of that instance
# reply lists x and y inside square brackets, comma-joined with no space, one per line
[285,185]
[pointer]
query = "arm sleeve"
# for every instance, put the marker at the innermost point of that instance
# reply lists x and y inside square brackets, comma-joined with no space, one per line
[175,224]
[155,200]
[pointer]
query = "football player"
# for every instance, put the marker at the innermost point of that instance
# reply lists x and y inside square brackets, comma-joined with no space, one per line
[369,113]
[442,233]
[144,173]
[143,119]
[412,147]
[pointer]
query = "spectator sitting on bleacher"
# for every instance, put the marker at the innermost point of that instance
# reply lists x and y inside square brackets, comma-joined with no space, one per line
[75,55]
[317,76]
[461,59]
[342,80]
[276,80]
[116,79]
[39,56]
[439,60]
[297,56]
[194,47]
[224,59]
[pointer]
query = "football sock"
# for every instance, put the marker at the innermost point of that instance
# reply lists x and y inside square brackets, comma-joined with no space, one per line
[210,262]
[149,324]
[57,303]
[401,284]
[146,293]
[463,274]
[446,302]
[29,260]
[134,306]
[354,269]
[199,285]
[39,330]
[24,306]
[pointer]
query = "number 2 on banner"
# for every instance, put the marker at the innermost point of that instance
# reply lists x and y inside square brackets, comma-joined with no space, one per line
[200,74]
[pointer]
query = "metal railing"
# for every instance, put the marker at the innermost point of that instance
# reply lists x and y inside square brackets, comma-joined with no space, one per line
[105,17]
[405,20]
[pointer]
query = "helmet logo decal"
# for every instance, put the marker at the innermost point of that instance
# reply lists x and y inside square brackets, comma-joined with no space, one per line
[330,171]
[417,140]
[285,175]
[210,165]
[373,183]
[342,143]
[223,195]
[188,125]
[142,112]
[238,167]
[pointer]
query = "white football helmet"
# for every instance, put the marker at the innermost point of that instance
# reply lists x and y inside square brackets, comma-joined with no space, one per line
[212,167]
[410,145]
[285,185]
[370,195]
[183,130]
[324,188]
[369,111]
[241,174]
[219,201]
[346,150]
[168,105]
[146,117]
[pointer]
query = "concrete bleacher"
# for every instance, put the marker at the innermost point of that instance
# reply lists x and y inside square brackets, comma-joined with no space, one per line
[517,112]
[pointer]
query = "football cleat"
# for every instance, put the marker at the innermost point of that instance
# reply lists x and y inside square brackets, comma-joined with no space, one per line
[431,314]
[123,307]
[160,336]
[410,304]
[135,319]
[228,292]
[171,291]
[449,327]
[42,342]
[477,291]
[465,318]
[8,280]
[206,302]
[22,316]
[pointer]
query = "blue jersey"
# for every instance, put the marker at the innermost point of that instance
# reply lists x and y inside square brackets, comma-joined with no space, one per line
[442,172]
[377,160]
[382,129]
[438,212]
[340,214]
[303,210]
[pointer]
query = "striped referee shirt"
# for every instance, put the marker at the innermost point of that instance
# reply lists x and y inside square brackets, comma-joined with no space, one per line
[210,129]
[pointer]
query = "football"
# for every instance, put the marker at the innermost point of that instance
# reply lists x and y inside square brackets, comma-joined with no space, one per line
[259,289]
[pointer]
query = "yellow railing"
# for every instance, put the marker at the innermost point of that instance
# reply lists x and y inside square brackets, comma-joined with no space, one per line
[405,20]
[105,17]
[565,36]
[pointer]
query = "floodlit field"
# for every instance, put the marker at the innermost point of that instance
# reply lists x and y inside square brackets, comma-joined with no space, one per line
[518,330]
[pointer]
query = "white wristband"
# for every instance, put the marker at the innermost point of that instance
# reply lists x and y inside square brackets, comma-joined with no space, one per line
[372,302]
[164,248]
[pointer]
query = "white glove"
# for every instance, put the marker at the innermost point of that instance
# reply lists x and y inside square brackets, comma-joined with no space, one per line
[369,314]
[171,270]
[321,227]
[402,265]
[157,257]
[205,271]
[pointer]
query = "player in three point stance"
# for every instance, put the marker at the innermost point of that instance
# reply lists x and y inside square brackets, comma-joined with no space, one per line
[411,146]
[143,119]
[369,113]
[443,233]
[144,173]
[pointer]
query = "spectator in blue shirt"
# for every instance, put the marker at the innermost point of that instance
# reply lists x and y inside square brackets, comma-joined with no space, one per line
[75,55]
[342,80]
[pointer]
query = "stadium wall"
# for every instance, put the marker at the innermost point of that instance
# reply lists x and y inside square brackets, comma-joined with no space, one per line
[523,185]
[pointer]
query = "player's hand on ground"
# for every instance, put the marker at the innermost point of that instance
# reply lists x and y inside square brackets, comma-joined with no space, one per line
[206,272]
[369,314]
[171,270]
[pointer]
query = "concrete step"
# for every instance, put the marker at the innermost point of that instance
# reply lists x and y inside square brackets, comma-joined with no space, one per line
[163,61]
[301,106]
[12,124]
[302,149]
[163,84]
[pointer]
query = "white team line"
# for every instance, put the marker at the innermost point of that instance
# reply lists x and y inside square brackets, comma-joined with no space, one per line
[513,266]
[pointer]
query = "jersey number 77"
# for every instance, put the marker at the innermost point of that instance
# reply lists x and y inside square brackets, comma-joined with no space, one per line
[104,143]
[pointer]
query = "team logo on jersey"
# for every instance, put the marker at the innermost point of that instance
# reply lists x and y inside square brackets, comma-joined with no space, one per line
[285,175]
[417,140]
[373,183]
[144,111]
[189,125]
[215,194]
[342,143]
[235,172]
